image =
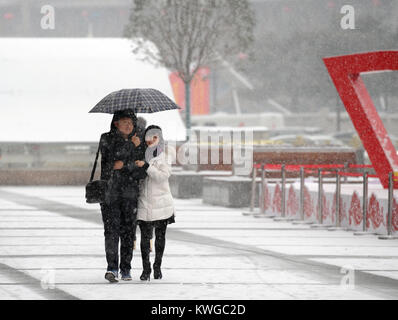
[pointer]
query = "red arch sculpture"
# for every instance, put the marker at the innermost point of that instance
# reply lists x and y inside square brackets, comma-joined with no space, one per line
[345,72]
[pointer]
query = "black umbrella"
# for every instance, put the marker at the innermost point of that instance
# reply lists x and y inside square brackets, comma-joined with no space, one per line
[139,100]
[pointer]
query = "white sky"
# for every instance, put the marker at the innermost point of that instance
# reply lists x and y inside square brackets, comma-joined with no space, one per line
[48,85]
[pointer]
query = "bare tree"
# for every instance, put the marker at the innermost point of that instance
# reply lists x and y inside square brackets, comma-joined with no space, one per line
[185,35]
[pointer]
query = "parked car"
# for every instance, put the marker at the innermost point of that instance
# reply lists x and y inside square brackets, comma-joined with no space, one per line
[308,140]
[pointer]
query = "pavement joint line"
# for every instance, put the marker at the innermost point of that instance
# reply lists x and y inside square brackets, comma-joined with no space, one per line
[244,228]
[24,216]
[203,255]
[35,284]
[264,237]
[54,236]
[171,228]
[43,220]
[13,209]
[49,245]
[161,282]
[166,268]
[323,246]
[388,270]
[375,281]
[101,236]
[309,256]
[200,268]
[50,228]
[258,244]
[79,255]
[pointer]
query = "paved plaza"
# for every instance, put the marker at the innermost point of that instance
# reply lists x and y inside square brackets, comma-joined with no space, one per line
[52,247]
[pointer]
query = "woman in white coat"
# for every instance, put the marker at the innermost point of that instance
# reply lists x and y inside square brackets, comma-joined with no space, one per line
[155,202]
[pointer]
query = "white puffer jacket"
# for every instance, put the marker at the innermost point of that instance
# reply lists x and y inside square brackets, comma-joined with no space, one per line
[155,201]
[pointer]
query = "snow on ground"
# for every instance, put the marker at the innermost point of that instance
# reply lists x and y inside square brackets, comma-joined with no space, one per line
[211,253]
[374,186]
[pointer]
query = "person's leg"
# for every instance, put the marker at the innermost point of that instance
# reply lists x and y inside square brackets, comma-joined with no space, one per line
[128,218]
[151,241]
[111,219]
[160,243]
[145,238]
[134,234]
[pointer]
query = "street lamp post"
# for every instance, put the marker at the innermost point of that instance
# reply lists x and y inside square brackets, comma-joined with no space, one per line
[188,109]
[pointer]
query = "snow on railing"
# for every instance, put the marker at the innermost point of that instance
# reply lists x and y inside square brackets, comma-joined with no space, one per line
[338,170]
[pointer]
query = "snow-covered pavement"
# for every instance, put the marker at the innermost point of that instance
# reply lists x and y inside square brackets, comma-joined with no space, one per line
[52,247]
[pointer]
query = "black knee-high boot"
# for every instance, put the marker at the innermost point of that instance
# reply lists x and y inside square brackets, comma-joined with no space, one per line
[145,250]
[160,244]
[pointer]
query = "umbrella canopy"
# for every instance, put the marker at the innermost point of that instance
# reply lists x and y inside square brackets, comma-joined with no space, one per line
[139,100]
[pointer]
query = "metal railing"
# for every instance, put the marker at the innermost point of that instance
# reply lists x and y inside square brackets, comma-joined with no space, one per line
[319,171]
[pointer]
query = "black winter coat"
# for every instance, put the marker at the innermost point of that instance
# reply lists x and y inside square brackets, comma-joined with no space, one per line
[124,182]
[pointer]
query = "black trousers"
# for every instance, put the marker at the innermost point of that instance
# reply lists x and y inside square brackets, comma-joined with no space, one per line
[119,217]
[160,243]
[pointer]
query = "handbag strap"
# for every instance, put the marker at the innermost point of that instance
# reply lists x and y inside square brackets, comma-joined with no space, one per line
[95,164]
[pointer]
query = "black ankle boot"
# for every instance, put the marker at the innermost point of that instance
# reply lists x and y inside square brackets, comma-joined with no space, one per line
[157,273]
[146,265]
[146,275]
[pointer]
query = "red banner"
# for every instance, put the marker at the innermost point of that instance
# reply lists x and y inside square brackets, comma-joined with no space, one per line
[199,91]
